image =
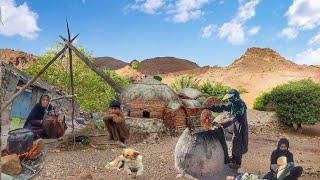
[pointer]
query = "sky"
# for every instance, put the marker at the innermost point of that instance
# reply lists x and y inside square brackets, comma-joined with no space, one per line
[208,32]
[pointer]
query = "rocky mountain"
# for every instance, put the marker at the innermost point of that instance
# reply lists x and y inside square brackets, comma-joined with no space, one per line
[262,60]
[165,65]
[110,63]
[152,66]
[18,59]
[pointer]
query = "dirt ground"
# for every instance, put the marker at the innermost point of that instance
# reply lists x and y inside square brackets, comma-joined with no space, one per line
[159,162]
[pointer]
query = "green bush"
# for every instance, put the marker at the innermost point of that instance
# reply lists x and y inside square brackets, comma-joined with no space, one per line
[296,102]
[260,102]
[217,90]
[159,78]
[93,93]
[185,81]
[135,64]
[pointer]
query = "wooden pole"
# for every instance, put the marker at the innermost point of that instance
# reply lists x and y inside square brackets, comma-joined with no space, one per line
[33,79]
[71,84]
[93,67]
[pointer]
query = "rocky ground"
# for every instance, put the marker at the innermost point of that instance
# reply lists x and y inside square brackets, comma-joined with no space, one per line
[158,156]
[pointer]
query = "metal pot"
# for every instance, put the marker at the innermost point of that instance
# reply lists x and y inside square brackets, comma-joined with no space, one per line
[20,140]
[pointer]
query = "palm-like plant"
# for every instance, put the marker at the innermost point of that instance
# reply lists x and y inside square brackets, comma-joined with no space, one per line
[185,81]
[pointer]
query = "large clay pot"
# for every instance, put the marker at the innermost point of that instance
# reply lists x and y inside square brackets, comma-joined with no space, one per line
[199,156]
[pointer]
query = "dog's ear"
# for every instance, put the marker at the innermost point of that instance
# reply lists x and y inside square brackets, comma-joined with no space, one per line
[136,153]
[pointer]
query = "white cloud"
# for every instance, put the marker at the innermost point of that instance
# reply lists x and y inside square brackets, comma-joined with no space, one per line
[315,39]
[309,56]
[179,11]
[304,14]
[247,11]
[186,10]
[254,30]
[289,32]
[19,20]
[185,16]
[148,6]
[208,30]
[233,32]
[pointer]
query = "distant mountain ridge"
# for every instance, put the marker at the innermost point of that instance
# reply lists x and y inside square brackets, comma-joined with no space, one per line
[152,66]
[164,65]
[109,62]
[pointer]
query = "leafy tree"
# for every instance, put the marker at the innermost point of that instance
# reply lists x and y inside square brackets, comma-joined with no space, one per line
[185,81]
[296,102]
[93,93]
[135,64]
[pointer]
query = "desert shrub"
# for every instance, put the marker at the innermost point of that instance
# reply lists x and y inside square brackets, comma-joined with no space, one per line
[296,102]
[135,64]
[159,78]
[216,90]
[93,93]
[185,81]
[260,102]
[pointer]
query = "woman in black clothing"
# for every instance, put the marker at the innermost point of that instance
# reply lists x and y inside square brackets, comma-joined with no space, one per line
[35,118]
[282,151]
[238,110]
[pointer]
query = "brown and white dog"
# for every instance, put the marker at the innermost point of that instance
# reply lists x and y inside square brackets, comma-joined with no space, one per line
[130,161]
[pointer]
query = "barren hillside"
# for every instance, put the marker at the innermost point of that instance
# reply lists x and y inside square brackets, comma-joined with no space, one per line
[110,63]
[258,70]
[164,65]
[130,72]
[18,59]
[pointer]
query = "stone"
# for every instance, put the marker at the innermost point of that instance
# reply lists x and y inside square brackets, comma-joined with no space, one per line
[146,125]
[11,164]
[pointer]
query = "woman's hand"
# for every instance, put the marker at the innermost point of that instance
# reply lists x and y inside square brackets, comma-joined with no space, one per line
[219,125]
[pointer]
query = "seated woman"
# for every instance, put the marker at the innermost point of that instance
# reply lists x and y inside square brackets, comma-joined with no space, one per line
[35,118]
[282,165]
[115,123]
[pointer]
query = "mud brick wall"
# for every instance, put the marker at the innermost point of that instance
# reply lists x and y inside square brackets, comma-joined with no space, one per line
[194,112]
[136,108]
[174,118]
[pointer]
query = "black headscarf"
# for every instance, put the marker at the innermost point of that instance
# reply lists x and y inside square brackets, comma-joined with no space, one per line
[44,96]
[114,104]
[278,152]
[283,141]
